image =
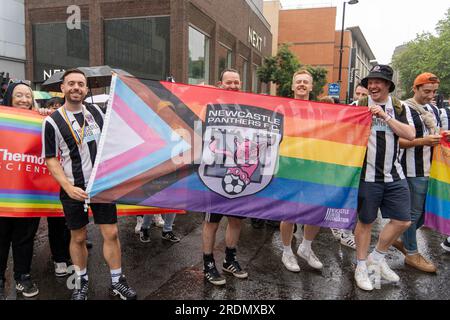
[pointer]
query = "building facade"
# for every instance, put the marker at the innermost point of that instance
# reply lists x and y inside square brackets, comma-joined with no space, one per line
[272,14]
[317,43]
[191,40]
[12,39]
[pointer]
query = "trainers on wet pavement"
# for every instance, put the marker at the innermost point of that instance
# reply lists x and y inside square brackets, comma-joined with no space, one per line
[26,286]
[290,262]
[312,259]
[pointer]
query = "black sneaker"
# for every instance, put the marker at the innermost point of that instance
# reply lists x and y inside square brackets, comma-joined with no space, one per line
[81,290]
[446,245]
[2,290]
[144,235]
[123,290]
[212,274]
[234,268]
[26,286]
[89,244]
[170,236]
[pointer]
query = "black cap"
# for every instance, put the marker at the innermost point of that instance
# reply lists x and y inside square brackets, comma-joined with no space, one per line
[380,71]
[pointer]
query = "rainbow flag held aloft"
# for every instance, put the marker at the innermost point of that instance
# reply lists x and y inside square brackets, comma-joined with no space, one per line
[26,187]
[437,207]
[209,150]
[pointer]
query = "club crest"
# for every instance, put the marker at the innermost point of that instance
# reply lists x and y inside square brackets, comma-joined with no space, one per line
[240,149]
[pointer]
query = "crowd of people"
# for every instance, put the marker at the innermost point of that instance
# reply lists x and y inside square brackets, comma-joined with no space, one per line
[394,181]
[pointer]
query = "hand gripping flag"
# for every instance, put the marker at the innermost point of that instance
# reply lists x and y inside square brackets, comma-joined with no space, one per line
[26,187]
[210,150]
[437,208]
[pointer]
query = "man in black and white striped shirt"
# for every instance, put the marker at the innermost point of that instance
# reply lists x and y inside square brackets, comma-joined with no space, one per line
[72,133]
[383,185]
[445,118]
[416,163]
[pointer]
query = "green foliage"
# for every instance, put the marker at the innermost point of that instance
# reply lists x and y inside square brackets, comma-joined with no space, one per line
[320,80]
[279,69]
[426,53]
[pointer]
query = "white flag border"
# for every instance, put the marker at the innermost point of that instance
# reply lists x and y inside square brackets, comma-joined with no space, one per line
[106,123]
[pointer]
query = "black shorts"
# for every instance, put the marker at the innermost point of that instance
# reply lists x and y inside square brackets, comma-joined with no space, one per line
[392,198]
[216,217]
[76,218]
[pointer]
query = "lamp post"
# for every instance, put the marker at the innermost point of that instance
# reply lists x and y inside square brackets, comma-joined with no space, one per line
[341,48]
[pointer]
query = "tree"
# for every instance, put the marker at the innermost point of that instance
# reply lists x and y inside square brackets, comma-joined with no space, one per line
[320,80]
[426,53]
[279,69]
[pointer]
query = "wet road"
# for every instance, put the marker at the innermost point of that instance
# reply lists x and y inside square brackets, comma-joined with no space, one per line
[163,270]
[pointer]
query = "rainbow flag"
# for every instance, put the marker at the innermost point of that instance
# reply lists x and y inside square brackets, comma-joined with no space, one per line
[209,150]
[26,187]
[437,207]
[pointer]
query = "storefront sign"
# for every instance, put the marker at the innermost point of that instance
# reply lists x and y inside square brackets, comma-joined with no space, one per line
[255,39]
[48,73]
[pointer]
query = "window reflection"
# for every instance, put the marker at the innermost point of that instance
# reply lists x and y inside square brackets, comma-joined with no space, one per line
[198,57]
[141,46]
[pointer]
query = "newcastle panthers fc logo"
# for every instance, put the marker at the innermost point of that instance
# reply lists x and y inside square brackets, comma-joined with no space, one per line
[240,149]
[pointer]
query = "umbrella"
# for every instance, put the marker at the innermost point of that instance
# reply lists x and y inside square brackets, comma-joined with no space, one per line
[41,95]
[100,98]
[57,94]
[97,77]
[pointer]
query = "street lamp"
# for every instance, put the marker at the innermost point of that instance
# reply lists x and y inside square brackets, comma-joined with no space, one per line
[341,49]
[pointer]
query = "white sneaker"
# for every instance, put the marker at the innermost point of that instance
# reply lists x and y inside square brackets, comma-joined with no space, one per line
[312,260]
[158,220]
[348,240]
[61,269]
[362,279]
[139,222]
[385,271]
[336,233]
[290,262]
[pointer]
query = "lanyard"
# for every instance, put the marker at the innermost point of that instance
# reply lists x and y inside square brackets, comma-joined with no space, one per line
[78,137]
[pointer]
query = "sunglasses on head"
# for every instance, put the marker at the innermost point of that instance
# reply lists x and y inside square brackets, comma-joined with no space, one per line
[19,82]
[433,79]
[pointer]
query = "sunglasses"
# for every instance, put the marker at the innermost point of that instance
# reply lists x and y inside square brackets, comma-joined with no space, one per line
[433,79]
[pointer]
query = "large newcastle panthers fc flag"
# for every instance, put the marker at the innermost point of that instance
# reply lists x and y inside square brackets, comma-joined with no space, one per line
[210,150]
[437,208]
[26,187]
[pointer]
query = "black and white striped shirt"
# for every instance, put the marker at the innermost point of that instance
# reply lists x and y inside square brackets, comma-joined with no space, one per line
[416,162]
[445,119]
[58,140]
[382,162]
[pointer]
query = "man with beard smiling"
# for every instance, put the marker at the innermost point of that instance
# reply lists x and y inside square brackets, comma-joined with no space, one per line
[383,184]
[72,132]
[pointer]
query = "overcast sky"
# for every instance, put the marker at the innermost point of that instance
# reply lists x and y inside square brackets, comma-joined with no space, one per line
[385,23]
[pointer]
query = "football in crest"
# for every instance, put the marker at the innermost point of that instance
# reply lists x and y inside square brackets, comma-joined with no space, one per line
[233,184]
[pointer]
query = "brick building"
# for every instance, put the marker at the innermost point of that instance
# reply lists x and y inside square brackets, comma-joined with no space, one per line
[315,41]
[192,40]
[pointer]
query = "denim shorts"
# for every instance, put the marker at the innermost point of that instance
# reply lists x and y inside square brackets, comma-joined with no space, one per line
[392,198]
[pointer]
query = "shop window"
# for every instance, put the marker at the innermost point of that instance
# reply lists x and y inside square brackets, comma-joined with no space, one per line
[198,57]
[225,57]
[140,46]
[242,67]
[255,81]
[55,47]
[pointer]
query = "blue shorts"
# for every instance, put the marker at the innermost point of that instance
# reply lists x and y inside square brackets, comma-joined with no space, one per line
[392,198]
